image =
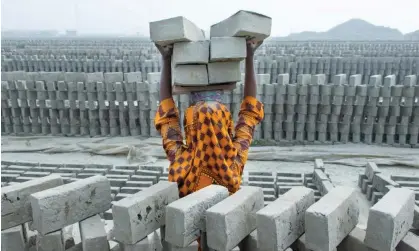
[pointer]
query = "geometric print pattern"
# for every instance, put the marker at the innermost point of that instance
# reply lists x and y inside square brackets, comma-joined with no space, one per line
[215,152]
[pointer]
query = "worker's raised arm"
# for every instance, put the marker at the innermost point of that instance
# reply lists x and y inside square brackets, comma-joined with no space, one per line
[166,72]
[249,78]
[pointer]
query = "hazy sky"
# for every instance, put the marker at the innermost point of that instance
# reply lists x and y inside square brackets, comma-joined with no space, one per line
[131,16]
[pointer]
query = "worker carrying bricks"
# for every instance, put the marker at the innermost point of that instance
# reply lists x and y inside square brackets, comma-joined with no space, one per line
[215,151]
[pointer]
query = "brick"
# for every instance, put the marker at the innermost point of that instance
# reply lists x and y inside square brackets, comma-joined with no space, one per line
[12,239]
[243,24]
[15,203]
[231,220]
[261,178]
[284,213]
[371,169]
[8,177]
[50,242]
[391,217]
[319,176]
[185,218]
[94,77]
[143,212]
[364,185]
[73,77]
[172,30]
[147,172]
[153,78]
[369,192]
[144,178]
[289,174]
[53,76]
[121,172]
[190,75]
[134,183]
[113,77]
[67,204]
[154,168]
[36,174]
[404,178]
[325,186]
[290,179]
[227,49]
[331,219]
[258,173]
[93,234]
[224,72]
[20,167]
[409,80]
[133,77]
[380,181]
[191,52]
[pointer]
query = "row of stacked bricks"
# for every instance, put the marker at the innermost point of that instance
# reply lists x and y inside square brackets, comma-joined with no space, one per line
[124,179]
[264,65]
[103,64]
[307,111]
[78,46]
[354,48]
[81,104]
[275,184]
[38,74]
[331,66]
[279,65]
[312,110]
[292,64]
[137,46]
[375,184]
[273,65]
[46,214]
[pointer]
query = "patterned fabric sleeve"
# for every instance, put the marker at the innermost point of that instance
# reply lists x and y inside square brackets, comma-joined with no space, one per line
[167,123]
[251,113]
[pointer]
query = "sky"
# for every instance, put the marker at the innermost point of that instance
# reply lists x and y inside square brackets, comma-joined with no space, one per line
[132,16]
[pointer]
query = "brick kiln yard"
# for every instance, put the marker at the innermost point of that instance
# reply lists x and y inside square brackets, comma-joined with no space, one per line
[83,167]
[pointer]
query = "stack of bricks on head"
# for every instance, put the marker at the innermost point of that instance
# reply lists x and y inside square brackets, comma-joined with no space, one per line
[199,64]
[53,213]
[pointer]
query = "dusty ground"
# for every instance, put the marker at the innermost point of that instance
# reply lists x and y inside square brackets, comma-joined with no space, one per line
[342,162]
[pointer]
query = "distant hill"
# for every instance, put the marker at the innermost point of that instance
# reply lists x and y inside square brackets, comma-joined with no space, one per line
[412,36]
[354,29]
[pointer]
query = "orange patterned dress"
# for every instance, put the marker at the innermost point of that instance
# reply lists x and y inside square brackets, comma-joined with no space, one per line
[215,152]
